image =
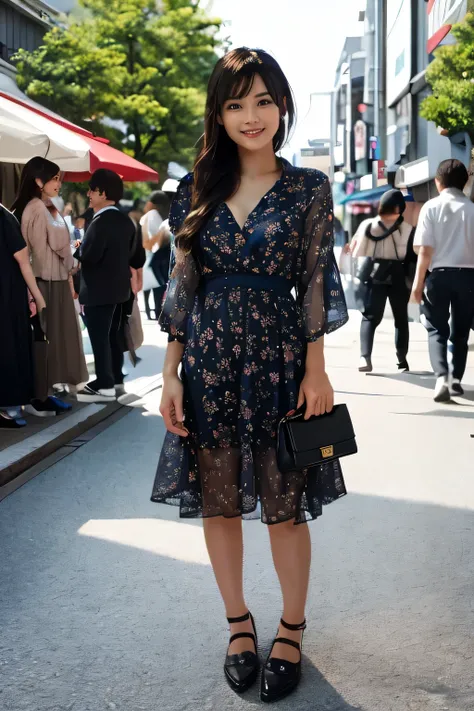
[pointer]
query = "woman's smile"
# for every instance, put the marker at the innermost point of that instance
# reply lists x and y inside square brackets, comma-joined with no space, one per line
[253,132]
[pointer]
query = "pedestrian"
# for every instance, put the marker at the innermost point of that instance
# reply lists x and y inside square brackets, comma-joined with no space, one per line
[249,228]
[105,255]
[17,306]
[59,357]
[156,210]
[444,241]
[380,248]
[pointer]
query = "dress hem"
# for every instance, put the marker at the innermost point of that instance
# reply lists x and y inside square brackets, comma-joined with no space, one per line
[247,514]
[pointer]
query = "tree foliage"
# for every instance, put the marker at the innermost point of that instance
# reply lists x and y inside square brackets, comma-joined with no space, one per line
[451,77]
[142,63]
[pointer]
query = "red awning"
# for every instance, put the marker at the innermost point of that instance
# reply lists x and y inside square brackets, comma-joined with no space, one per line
[101,154]
[104,156]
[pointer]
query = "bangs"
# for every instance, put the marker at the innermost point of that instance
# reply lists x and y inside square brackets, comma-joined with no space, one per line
[238,75]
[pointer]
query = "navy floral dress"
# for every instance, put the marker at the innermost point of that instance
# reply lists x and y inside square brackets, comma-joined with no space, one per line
[231,302]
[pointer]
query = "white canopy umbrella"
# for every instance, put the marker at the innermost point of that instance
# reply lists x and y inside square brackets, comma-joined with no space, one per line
[25,134]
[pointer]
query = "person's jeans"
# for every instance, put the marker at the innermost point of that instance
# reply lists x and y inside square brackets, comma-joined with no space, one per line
[398,296]
[105,327]
[449,293]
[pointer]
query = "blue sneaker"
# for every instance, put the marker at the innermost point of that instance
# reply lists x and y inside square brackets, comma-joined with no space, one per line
[60,405]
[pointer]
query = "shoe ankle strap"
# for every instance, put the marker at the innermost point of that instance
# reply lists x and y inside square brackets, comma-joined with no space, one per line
[294,628]
[234,620]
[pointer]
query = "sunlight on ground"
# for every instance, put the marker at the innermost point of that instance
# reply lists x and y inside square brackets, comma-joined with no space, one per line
[180,541]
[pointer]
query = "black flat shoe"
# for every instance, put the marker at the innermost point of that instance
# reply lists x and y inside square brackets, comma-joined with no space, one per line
[403,366]
[279,676]
[241,670]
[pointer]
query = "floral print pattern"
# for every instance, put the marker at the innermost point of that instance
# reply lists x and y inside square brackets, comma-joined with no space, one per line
[230,301]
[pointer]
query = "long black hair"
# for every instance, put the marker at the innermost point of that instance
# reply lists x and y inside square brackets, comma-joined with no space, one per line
[216,169]
[36,168]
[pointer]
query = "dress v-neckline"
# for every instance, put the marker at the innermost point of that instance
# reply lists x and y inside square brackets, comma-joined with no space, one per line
[264,196]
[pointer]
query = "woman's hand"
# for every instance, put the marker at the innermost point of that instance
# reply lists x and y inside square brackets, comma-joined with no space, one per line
[316,390]
[171,406]
[40,302]
[33,308]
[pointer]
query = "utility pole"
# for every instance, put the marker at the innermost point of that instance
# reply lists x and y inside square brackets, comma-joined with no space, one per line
[377,61]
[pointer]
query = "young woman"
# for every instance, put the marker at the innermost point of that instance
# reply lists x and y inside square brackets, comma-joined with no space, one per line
[59,359]
[384,240]
[249,229]
[156,211]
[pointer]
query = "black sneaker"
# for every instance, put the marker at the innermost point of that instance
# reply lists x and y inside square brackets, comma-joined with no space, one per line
[403,366]
[43,408]
[88,394]
[456,387]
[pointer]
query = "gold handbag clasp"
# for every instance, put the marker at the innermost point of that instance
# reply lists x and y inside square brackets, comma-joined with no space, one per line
[327,451]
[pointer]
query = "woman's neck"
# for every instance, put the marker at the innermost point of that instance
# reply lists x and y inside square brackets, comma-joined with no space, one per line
[254,164]
[389,220]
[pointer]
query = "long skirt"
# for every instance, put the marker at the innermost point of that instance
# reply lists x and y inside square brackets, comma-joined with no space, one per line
[60,359]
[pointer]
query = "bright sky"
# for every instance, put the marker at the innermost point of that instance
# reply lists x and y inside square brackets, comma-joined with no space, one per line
[305,36]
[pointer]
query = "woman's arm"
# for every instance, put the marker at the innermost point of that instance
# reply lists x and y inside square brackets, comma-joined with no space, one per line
[171,406]
[23,259]
[322,299]
[316,390]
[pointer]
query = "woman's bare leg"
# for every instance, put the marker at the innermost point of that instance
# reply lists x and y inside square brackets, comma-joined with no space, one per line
[291,551]
[224,542]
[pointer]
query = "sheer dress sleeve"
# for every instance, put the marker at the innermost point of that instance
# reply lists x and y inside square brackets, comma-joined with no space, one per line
[320,290]
[184,273]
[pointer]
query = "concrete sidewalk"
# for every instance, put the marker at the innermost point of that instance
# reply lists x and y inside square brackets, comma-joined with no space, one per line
[22,449]
[109,601]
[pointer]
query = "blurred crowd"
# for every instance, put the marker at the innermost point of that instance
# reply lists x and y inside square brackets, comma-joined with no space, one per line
[62,273]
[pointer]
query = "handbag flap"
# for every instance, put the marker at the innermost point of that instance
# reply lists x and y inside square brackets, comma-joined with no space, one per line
[321,431]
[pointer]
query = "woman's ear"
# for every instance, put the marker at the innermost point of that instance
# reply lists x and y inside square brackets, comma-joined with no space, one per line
[219,120]
[284,107]
[39,183]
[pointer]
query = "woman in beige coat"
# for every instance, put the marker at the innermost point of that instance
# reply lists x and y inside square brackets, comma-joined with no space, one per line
[60,357]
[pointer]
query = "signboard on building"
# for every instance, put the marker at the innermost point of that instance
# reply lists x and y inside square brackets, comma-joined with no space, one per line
[399,49]
[360,140]
[442,15]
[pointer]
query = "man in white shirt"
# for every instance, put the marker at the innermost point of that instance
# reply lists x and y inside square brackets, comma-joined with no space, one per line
[444,241]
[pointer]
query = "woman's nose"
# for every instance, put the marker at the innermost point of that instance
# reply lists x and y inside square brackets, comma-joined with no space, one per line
[251,115]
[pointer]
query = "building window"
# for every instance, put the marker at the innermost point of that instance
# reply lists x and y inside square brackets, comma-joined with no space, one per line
[17,32]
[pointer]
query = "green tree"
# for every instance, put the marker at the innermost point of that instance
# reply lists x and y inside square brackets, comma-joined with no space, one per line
[142,63]
[451,77]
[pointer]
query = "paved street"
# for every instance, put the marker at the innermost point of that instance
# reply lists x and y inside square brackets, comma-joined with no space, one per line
[108,601]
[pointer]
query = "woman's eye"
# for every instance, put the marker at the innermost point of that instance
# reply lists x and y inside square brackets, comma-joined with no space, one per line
[265,102]
[233,107]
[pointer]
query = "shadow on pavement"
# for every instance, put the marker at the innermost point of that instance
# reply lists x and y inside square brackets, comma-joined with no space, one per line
[109,601]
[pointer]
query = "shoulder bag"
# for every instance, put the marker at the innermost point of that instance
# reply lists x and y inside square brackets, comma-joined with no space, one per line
[302,444]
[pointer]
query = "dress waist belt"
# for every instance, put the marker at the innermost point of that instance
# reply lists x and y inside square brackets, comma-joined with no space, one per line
[259,282]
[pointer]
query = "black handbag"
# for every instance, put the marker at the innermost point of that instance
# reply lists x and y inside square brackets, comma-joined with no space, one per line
[309,443]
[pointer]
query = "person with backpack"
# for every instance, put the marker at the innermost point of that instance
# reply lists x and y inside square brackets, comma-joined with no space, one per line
[380,247]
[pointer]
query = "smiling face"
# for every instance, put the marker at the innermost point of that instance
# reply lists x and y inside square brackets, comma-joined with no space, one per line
[252,121]
[97,200]
[51,188]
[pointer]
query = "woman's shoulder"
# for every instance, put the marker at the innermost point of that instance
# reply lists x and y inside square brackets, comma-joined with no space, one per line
[312,178]
[35,207]
[310,182]
[186,183]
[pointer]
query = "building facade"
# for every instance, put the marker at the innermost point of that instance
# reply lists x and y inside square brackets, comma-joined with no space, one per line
[389,139]
[414,29]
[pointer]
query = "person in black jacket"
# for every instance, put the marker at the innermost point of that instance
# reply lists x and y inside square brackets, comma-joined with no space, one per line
[106,254]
